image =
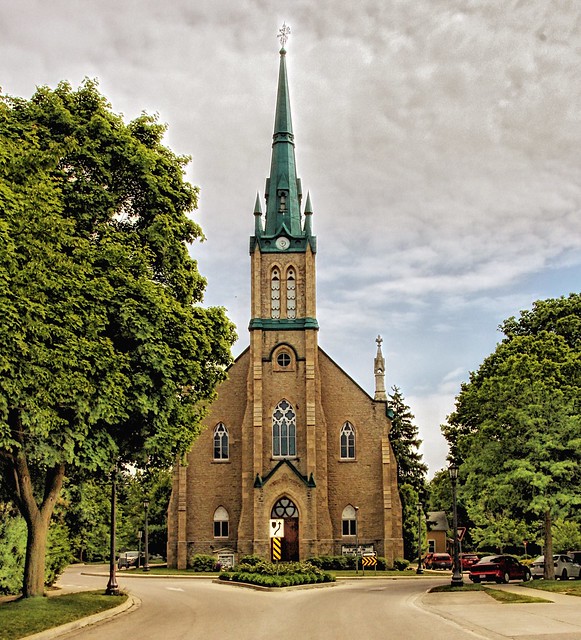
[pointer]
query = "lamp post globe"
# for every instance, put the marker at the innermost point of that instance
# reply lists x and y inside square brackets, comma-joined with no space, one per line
[457,580]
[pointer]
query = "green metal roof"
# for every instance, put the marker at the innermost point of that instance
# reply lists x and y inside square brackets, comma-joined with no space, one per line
[283,192]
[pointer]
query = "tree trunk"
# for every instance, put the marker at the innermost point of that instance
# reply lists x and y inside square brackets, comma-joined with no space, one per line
[37,517]
[549,572]
[35,557]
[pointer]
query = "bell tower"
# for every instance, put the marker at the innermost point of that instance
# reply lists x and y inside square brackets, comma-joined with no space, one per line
[283,325]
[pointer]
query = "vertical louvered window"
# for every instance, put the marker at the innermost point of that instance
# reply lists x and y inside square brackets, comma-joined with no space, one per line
[275,294]
[291,294]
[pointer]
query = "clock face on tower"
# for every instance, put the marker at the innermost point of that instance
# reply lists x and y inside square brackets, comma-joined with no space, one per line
[282,243]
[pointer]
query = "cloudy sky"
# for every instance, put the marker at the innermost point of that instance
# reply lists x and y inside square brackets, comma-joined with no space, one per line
[440,141]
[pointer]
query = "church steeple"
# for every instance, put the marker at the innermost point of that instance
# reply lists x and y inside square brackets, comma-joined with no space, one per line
[283,191]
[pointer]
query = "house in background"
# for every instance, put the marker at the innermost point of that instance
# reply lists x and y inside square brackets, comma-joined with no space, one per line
[437,530]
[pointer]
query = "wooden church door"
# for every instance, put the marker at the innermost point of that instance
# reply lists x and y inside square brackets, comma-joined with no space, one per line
[286,509]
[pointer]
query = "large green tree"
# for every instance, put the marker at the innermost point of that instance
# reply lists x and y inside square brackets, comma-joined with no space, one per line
[516,429]
[105,352]
[411,471]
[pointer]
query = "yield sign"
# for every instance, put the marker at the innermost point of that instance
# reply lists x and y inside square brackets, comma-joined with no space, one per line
[461,532]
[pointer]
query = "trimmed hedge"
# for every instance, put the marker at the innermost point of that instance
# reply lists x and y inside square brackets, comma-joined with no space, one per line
[284,574]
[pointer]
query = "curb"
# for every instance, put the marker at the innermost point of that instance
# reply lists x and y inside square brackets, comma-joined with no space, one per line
[258,587]
[128,606]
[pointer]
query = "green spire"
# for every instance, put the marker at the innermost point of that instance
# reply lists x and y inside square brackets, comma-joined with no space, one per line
[283,190]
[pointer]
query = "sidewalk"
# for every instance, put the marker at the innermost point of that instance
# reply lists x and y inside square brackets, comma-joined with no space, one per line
[478,612]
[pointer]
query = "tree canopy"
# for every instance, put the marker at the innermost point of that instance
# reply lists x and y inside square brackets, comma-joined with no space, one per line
[411,471]
[516,429]
[105,353]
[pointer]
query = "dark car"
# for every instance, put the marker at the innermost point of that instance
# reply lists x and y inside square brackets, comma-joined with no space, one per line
[575,556]
[441,561]
[129,559]
[467,560]
[499,569]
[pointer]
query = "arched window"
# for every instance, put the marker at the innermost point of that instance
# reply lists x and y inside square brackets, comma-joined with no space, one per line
[221,520]
[221,442]
[275,293]
[349,519]
[284,508]
[284,430]
[347,442]
[291,294]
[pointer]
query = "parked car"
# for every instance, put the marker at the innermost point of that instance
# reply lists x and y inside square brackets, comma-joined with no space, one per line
[441,561]
[129,559]
[428,560]
[576,556]
[499,569]
[565,567]
[467,560]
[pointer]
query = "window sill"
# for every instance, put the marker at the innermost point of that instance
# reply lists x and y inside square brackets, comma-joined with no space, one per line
[347,460]
[221,461]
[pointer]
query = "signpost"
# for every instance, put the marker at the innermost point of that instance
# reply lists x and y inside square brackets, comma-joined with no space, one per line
[276,533]
[369,560]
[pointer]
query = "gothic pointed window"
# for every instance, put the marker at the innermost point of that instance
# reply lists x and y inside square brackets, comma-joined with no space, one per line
[284,430]
[221,442]
[349,521]
[275,294]
[291,294]
[347,442]
[221,523]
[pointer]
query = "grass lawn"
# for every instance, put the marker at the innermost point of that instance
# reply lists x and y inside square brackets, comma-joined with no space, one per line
[506,597]
[566,587]
[20,618]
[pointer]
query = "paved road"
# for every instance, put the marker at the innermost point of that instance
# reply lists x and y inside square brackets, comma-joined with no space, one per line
[175,609]
[186,608]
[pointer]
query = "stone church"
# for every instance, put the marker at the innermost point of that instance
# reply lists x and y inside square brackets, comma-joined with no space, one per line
[290,435]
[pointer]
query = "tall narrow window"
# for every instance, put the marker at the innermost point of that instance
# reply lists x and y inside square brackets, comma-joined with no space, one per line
[275,294]
[347,442]
[349,520]
[221,521]
[291,294]
[284,430]
[221,442]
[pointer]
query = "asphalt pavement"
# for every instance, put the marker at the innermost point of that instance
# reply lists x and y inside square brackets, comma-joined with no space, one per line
[476,611]
[475,614]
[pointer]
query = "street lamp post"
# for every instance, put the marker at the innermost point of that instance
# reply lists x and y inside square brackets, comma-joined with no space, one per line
[112,586]
[139,536]
[457,573]
[419,570]
[356,541]
[146,537]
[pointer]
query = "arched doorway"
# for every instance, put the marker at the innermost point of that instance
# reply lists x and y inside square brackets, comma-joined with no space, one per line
[286,509]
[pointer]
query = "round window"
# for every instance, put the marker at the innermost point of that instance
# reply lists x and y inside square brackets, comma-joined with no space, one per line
[283,359]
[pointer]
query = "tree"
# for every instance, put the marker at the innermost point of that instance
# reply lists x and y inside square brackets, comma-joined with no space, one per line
[411,471]
[517,423]
[105,352]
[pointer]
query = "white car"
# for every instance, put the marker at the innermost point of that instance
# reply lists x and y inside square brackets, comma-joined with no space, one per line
[565,568]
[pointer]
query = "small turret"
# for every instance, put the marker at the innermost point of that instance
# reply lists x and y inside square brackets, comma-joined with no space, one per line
[379,370]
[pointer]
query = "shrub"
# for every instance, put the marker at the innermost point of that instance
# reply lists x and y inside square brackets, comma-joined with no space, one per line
[250,559]
[399,564]
[284,574]
[58,553]
[201,562]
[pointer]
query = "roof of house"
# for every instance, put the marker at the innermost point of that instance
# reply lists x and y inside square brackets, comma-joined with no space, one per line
[437,521]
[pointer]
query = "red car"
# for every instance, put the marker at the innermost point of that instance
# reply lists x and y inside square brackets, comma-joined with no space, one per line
[500,569]
[467,560]
[441,561]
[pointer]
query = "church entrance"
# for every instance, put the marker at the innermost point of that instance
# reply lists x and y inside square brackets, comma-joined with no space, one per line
[286,509]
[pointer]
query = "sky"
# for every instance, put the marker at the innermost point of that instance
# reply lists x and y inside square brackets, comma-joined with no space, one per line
[440,141]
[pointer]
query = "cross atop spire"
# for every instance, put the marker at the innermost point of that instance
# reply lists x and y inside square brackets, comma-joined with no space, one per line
[283,34]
